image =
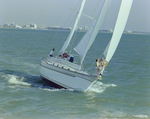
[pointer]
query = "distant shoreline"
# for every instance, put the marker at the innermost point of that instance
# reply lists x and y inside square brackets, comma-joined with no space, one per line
[64,29]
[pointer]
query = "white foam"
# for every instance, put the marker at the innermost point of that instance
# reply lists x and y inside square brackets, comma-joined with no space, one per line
[48,89]
[99,87]
[141,116]
[6,115]
[54,89]
[112,114]
[17,80]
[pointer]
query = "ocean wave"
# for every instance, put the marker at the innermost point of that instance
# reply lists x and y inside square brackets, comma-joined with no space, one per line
[141,116]
[6,115]
[100,87]
[54,89]
[16,80]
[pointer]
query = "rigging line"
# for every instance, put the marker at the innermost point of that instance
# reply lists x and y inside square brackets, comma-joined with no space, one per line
[72,21]
[66,21]
[104,22]
[56,35]
[101,54]
[92,65]
[73,40]
[96,7]
[94,12]
[77,4]
[82,13]
[74,35]
[62,11]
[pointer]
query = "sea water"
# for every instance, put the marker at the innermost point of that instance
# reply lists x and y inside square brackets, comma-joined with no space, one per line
[124,91]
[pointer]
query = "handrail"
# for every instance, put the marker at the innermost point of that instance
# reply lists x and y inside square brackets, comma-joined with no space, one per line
[61,61]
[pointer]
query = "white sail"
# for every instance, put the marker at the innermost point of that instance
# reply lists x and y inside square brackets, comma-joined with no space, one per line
[89,37]
[119,28]
[74,28]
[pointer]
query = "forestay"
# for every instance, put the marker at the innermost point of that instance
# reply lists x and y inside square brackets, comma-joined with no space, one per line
[86,42]
[74,28]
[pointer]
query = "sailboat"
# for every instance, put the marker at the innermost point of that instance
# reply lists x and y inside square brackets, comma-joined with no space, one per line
[60,73]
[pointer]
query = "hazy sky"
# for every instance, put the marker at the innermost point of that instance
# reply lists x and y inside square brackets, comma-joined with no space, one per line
[56,12]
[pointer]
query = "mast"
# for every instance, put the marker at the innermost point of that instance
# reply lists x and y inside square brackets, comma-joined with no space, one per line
[88,39]
[74,28]
[119,28]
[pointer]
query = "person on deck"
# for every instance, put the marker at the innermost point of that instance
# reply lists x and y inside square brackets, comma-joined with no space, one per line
[71,58]
[52,52]
[103,62]
[60,57]
[65,55]
[98,66]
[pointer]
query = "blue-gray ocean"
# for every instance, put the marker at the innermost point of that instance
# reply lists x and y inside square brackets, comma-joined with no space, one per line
[124,92]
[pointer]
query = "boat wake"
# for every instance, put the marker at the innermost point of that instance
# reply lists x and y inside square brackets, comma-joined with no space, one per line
[100,87]
[36,81]
[16,80]
[51,89]
[140,116]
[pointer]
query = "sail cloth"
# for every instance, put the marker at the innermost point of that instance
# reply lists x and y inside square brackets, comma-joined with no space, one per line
[119,28]
[87,40]
[74,28]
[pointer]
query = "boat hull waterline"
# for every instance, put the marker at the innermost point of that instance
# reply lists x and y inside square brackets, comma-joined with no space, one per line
[58,76]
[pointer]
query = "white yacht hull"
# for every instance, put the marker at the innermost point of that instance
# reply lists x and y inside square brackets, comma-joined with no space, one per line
[56,75]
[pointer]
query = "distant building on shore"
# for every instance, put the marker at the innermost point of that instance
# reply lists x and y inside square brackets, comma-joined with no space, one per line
[6,25]
[17,26]
[33,26]
[83,29]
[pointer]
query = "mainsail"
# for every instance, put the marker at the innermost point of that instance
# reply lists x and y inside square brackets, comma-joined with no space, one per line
[86,42]
[74,28]
[119,28]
